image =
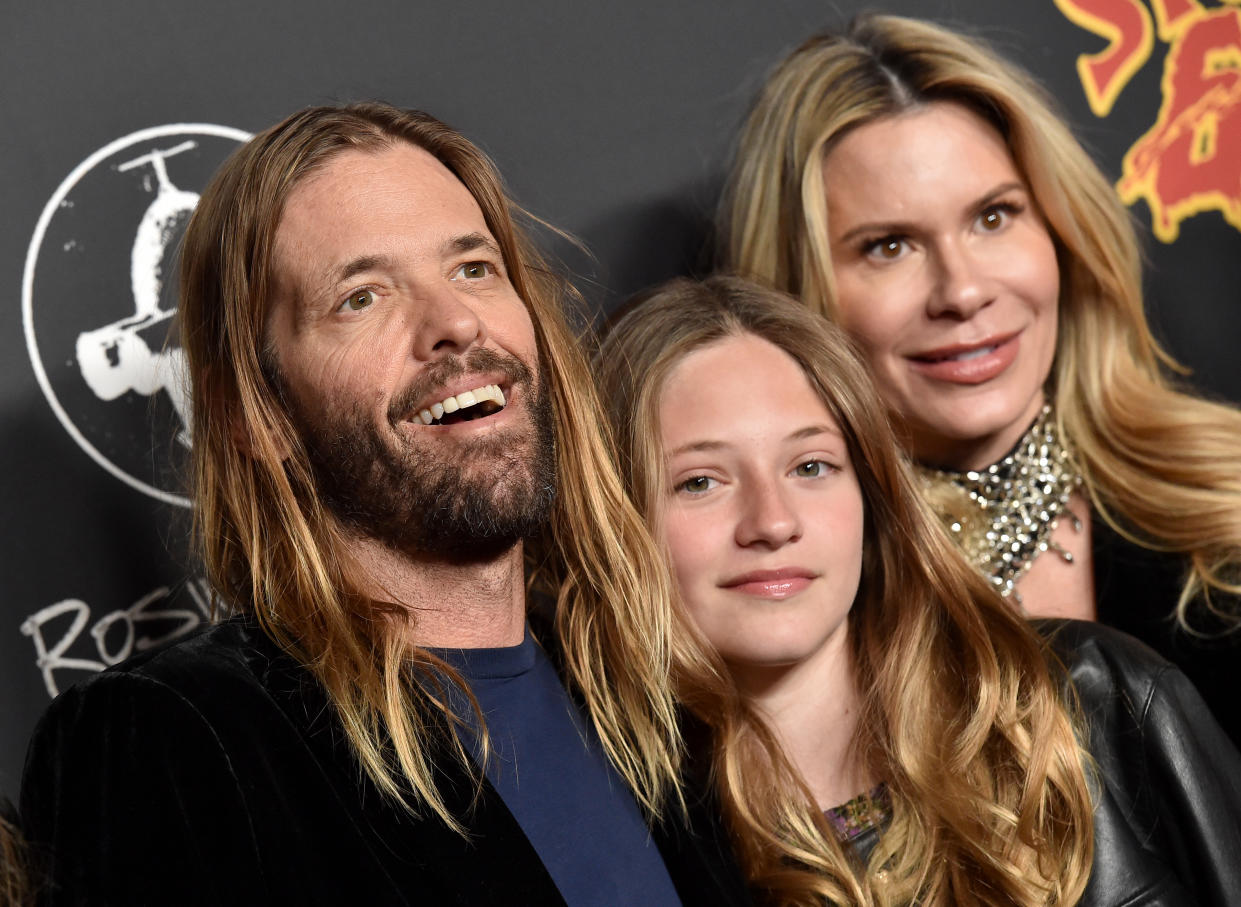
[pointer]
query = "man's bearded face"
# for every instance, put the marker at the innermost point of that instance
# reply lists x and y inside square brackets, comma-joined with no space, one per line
[407,360]
[464,501]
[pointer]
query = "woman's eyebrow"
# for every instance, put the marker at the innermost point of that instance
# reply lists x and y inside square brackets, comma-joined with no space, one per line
[900,227]
[697,447]
[811,430]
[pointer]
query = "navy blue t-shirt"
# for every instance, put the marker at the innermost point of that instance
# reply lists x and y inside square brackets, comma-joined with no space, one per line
[549,768]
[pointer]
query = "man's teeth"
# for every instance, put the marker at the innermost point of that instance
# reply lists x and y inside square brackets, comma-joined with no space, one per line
[463,400]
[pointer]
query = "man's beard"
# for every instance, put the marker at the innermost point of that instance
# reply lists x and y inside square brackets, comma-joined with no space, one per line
[463,501]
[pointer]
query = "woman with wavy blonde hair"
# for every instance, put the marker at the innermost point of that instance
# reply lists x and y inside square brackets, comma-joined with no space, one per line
[856,657]
[920,190]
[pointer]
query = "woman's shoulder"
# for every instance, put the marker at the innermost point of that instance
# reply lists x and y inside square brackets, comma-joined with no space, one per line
[1099,655]
[1120,684]
[1139,709]
[1167,772]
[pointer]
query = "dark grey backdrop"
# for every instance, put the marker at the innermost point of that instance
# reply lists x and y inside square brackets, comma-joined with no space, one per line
[614,124]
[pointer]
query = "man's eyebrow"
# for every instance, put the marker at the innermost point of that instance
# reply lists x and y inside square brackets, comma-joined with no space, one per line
[469,242]
[359,265]
[458,245]
[330,278]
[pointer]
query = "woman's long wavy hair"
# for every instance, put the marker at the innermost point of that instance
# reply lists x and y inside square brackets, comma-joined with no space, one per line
[277,554]
[961,715]
[1160,465]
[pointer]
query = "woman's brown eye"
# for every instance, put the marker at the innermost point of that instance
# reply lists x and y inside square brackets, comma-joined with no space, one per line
[888,249]
[475,270]
[992,219]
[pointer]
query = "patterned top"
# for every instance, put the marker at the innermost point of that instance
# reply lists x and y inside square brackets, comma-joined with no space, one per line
[861,814]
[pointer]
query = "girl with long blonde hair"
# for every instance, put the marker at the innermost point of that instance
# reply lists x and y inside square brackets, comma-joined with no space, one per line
[880,727]
[921,191]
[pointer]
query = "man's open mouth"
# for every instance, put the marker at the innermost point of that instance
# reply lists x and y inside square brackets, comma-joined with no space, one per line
[463,407]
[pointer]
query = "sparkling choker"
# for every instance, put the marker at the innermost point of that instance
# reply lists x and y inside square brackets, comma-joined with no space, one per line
[1003,516]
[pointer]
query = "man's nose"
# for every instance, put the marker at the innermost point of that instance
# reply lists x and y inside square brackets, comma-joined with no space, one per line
[445,322]
[767,517]
[962,284]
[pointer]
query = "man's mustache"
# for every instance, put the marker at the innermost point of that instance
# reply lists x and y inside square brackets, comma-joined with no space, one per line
[442,371]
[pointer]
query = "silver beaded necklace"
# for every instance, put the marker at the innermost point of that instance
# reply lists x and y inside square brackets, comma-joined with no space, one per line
[1003,516]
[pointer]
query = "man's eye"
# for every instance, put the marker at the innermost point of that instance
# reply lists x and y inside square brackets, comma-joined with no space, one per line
[697,485]
[359,300]
[475,270]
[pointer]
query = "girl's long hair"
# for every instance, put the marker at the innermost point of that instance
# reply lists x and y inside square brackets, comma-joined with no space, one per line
[277,554]
[1160,465]
[961,716]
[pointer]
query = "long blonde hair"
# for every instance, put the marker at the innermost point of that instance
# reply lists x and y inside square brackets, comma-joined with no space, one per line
[278,555]
[1160,465]
[961,716]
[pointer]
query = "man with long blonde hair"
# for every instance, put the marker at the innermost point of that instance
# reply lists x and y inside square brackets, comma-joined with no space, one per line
[392,427]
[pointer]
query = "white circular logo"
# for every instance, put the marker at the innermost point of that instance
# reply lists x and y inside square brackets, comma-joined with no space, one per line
[98,300]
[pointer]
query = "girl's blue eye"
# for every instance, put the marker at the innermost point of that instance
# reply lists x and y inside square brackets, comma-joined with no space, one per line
[359,300]
[696,485]
[811,469]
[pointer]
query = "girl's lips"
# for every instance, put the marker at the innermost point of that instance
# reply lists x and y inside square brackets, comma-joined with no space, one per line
[968,364]
[772,584]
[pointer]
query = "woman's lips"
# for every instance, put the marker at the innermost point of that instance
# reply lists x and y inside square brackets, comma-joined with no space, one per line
[968,363]
[773,584]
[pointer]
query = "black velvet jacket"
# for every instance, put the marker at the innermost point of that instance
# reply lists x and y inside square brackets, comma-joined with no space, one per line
[215,772]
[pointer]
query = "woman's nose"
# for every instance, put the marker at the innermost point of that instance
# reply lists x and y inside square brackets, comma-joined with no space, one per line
[767,517]
[962,284]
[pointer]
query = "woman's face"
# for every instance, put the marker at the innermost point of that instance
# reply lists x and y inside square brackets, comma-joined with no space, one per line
[762,514]
[947,276]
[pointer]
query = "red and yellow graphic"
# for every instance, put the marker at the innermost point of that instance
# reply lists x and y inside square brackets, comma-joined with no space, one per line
[1190,160]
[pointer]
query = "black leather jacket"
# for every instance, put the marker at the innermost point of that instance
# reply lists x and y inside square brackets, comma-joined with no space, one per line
[1167,825]
[1168,820]
[1136,590]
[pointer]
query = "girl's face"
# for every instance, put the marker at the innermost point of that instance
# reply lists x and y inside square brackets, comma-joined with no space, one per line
[947,276]
[762,514]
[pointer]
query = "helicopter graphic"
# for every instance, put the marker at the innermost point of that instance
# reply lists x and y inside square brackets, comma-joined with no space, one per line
[116,359]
